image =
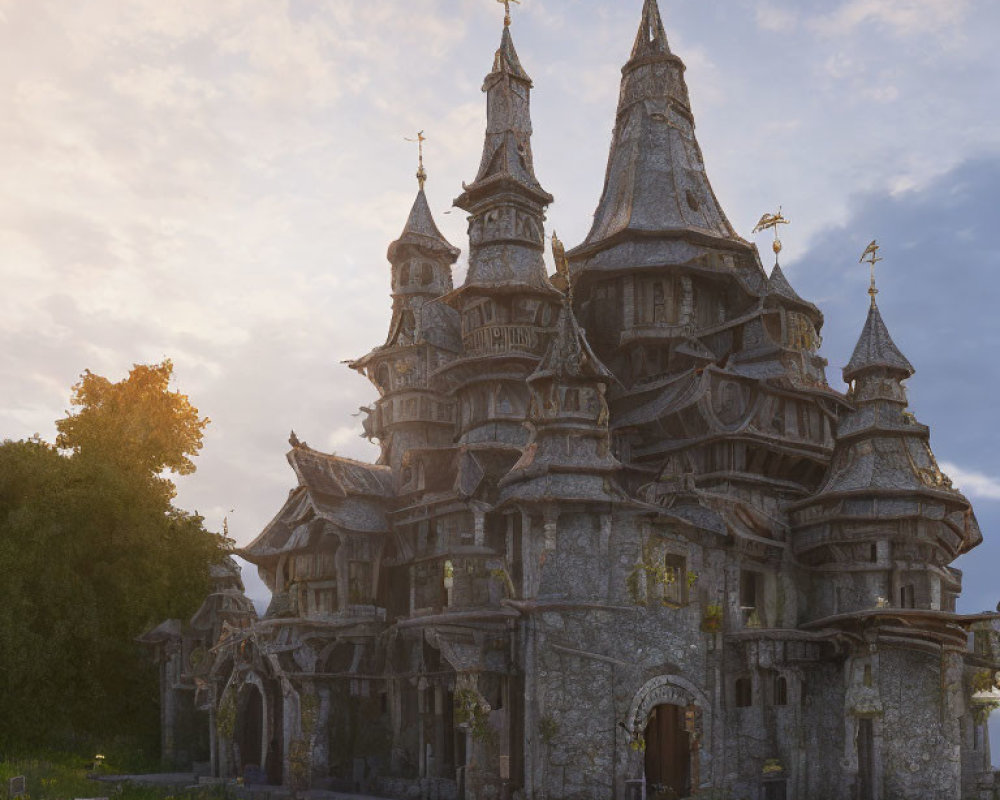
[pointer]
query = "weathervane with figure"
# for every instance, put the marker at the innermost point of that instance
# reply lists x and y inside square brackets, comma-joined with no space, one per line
[871,257]
[506,8]
[771,222]
[421,172]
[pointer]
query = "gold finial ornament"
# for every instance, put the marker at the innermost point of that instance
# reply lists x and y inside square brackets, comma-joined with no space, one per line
[561,280]
[871,257]
[506,8]
[421,172]
[771,222]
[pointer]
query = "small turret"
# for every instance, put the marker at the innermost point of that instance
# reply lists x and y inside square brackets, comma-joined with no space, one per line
[885,513]
[423,333]
[568,455]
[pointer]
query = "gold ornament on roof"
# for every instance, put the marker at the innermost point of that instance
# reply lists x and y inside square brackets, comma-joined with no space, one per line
[871,257]
[771,222]
[421,172]
[506,8]
[561,279]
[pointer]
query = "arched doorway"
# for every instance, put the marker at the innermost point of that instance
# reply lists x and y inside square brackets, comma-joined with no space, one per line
[668,753]
[250,733]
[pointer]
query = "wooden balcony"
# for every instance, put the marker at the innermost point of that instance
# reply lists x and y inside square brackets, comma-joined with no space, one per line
[500,339]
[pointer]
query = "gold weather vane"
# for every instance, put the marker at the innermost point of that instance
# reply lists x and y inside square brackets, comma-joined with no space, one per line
[871,257]
[506,8]
[771,222]
[421,172]
[561,280]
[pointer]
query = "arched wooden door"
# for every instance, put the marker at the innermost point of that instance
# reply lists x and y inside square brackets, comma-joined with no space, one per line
[668,754]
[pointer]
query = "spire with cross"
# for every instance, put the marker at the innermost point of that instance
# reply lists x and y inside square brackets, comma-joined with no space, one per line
[506,8]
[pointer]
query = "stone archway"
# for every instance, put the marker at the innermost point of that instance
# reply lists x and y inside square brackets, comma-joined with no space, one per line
[675,717]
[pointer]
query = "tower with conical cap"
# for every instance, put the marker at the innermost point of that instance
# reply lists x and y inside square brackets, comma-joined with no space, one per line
[506,303]
[621,542]
[423,333]
[679,307]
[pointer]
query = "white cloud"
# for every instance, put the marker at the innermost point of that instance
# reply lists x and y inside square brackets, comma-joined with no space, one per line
[772,17]
[903,17]
[975,484]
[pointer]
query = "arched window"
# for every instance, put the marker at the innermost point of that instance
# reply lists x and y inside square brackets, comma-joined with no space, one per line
[780,690]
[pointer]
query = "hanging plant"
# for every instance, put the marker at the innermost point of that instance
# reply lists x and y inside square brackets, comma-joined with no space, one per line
[711,620]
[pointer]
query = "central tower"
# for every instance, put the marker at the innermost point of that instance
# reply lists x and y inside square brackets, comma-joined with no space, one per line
[507,305]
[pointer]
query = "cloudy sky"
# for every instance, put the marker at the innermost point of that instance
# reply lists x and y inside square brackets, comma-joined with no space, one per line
[217,182]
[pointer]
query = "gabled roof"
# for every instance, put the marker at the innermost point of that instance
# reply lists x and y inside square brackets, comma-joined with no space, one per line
[351,495]
[875,348]
[335,476]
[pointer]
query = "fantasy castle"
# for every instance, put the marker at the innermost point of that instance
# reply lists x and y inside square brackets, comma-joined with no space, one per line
[623,540]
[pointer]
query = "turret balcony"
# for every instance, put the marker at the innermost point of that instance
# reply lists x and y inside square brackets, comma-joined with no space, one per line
[502,339]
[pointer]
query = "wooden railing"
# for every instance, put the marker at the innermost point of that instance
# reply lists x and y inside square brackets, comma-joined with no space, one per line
[505,339]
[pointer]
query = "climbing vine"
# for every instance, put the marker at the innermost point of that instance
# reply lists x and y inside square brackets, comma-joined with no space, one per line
[656,572]
[309,705]
[472,711]
[225,717]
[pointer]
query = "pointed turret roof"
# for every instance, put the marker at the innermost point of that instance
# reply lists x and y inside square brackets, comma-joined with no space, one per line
[421,231]
[778,285]
[569,354]
[507,61]
[656,181]
[875,348]
[651,40]
[507,146]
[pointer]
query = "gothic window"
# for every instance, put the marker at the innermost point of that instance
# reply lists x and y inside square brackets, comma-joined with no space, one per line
[780,690]
[325,600]
[404,275]
[382,378]
[656,301]
[675,574]
[751,597]
[571,400]
[906,596]
[359,579]
[325,566]
[743,692]
[426,273]
[866,677]
[504,405]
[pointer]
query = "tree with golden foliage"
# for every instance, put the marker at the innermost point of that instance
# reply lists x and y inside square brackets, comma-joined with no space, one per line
[137,423]
[94,553]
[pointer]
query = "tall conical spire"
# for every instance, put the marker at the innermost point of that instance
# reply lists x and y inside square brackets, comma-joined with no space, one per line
[506,203]
[656,181]
[507,145]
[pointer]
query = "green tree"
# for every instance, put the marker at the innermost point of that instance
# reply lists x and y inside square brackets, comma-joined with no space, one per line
[94,553]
